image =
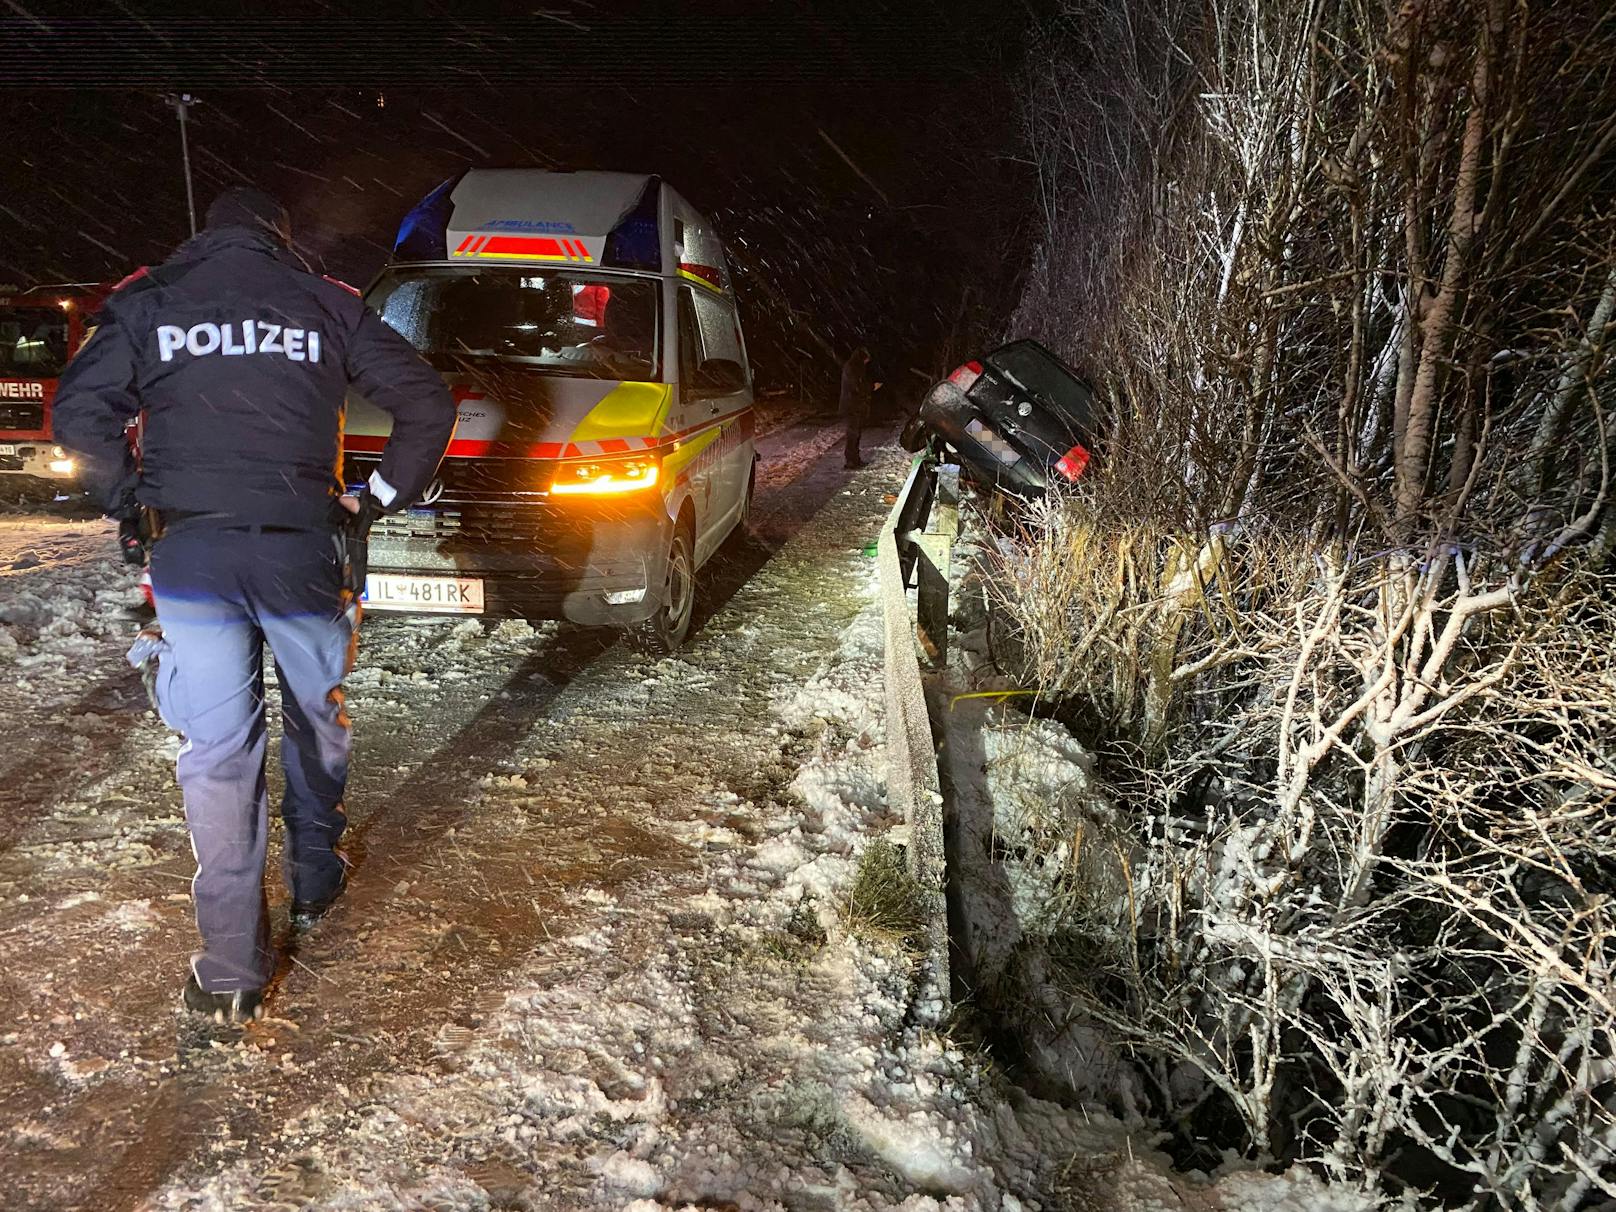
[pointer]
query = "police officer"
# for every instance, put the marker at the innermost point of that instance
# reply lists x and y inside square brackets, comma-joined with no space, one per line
[855,404]
[241,359]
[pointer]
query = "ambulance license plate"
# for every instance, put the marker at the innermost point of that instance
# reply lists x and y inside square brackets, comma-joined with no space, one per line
[8,450]
[434,595]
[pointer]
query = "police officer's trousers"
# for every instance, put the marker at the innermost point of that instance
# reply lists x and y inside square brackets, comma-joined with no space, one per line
[222,592]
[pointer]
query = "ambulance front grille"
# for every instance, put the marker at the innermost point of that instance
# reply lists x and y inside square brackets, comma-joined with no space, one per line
[485,524]
[470,482]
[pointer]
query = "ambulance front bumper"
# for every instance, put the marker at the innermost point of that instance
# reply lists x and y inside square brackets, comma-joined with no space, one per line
[597,565]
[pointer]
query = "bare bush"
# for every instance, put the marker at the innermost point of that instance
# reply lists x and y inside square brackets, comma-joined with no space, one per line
[1383,935]
[1339,604]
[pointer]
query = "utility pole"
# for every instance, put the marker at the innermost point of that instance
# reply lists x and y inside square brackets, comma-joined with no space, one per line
[182,102]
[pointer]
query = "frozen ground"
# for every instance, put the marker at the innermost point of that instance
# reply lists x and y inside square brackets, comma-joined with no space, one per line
[593,956]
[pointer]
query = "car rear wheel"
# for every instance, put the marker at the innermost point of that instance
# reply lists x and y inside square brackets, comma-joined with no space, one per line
[664,631]
[913,436]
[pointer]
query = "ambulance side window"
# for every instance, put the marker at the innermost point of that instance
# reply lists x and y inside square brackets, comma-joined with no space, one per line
[689,342]
[720,332]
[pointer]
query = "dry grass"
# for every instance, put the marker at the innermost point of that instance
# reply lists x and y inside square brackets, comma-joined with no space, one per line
[884,903]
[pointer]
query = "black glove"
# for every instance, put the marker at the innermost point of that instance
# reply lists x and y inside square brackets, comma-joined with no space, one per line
[356,541]
[131,541]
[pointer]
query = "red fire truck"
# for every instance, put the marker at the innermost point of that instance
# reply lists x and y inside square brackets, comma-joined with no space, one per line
[39,329]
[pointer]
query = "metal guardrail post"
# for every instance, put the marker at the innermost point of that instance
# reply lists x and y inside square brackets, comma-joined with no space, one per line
[936,548]
[945,509]
[931,599]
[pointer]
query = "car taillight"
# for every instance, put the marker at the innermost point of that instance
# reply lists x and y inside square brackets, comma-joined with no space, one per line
[1073,463]
[966,375]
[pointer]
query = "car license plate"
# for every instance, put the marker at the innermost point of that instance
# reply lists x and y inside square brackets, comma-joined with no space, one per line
[8,450]
[991,438]
[434,595]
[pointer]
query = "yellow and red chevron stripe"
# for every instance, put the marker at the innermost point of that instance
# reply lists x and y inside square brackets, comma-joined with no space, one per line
[523,248]
[575,449]
[480,447]
[709,276]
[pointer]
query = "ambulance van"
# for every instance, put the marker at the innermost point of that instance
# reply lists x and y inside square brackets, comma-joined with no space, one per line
[586,325]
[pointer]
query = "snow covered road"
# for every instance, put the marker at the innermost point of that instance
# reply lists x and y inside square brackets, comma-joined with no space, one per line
[592,953]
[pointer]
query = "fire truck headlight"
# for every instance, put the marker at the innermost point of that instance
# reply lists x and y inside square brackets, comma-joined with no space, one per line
[606,477]
[60,467]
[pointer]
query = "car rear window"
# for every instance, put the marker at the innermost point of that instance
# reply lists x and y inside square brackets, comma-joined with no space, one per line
[1036,373]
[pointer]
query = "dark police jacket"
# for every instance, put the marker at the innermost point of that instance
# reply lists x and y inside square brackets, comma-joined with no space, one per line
[242,359]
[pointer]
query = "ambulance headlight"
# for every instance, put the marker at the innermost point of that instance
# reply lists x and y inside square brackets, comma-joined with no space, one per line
[607,477]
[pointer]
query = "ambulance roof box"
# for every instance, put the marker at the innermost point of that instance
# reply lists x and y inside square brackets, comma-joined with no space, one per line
[611,221]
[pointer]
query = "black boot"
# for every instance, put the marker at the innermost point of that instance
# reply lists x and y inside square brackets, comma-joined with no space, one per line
[237,1006]
[307,913]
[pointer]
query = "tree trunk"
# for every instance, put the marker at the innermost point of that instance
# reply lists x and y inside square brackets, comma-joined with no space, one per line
[1413,453]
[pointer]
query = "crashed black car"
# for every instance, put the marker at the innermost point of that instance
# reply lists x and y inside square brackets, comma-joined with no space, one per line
[1020,419]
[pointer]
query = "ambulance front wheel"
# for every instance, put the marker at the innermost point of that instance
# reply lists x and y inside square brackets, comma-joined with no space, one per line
[664,631]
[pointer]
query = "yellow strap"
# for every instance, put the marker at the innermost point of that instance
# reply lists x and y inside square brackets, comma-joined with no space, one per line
[1001,695]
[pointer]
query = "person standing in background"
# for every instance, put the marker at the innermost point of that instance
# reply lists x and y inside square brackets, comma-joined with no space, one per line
[855,403]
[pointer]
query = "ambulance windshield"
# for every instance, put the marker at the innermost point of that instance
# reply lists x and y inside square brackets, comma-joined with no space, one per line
[558,321]
[33,342]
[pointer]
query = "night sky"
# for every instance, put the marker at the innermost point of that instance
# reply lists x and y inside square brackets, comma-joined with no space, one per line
[861,159]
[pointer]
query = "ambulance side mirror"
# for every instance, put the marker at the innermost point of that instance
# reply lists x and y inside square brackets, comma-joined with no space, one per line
[719,377]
